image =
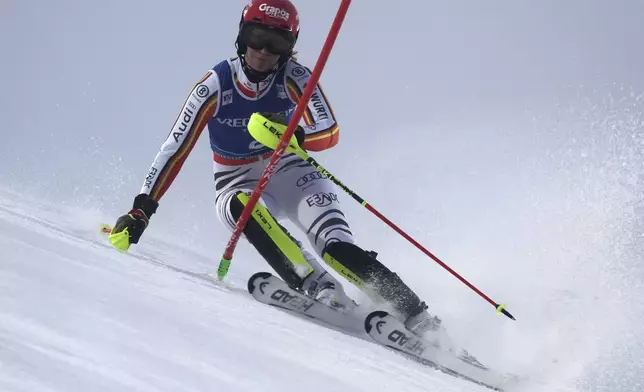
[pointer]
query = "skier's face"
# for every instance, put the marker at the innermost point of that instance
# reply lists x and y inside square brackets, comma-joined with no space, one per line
[261,60]
[265,45]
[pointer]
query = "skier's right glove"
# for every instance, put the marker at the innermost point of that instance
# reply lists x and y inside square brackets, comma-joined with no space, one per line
[129,228]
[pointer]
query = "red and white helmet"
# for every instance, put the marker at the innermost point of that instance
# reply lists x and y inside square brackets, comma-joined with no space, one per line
[279,16]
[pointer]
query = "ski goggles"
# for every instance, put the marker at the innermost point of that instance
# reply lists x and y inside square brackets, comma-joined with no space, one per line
[259,37]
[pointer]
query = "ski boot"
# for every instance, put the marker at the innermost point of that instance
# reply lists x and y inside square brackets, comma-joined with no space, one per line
[363,269]
[324,288]
[422,322]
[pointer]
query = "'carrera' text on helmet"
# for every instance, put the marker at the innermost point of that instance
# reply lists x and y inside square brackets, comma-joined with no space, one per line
[274,11]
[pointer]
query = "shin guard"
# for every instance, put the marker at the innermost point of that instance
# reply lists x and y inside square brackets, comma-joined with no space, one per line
[363,270]
[273,242]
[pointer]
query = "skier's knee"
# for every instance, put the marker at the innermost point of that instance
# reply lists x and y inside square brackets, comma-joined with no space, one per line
[330,226]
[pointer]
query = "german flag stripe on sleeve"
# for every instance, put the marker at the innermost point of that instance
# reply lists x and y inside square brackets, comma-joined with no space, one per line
[322,140]
[176,161]
[325,134]
[295,93]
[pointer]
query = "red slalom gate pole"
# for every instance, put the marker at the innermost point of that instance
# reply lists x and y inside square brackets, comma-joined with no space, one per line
[224,264]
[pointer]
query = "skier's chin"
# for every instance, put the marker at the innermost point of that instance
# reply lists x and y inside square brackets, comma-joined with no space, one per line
[261,66]
[259,61]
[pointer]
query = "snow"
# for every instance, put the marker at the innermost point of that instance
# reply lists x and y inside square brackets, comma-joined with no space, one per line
[77,315]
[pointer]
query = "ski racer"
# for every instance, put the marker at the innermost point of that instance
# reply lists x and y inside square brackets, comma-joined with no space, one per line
[265,78]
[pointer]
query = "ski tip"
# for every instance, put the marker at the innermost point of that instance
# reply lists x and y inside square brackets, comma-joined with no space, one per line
[371,316]
[258,275]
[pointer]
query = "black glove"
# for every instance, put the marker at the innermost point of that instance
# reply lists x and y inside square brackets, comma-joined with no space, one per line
[277,118]
[135,221]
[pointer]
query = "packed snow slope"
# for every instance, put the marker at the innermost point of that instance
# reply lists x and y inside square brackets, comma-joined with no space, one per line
[506,137]
[79,316]
[76,315]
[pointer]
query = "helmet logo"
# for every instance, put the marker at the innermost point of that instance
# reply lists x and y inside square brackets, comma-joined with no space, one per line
[274,11]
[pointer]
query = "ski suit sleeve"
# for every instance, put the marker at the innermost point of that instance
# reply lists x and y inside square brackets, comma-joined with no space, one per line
[199,107]
[321,129]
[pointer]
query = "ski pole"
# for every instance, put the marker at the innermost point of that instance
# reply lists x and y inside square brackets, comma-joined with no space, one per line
[269,134]
[224,264]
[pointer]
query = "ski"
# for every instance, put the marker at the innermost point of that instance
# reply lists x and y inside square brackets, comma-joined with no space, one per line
[271,290]
[388,331]
[378,327]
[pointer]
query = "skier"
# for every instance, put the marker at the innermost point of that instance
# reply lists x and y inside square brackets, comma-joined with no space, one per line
[265,78]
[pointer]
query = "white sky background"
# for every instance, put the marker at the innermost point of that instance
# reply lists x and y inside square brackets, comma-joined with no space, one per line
[505,136]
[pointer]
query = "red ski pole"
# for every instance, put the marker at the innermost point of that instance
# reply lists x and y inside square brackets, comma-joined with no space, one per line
[224,264]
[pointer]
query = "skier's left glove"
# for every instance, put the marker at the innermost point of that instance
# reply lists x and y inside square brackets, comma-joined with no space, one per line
[277,118]
[129,227]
